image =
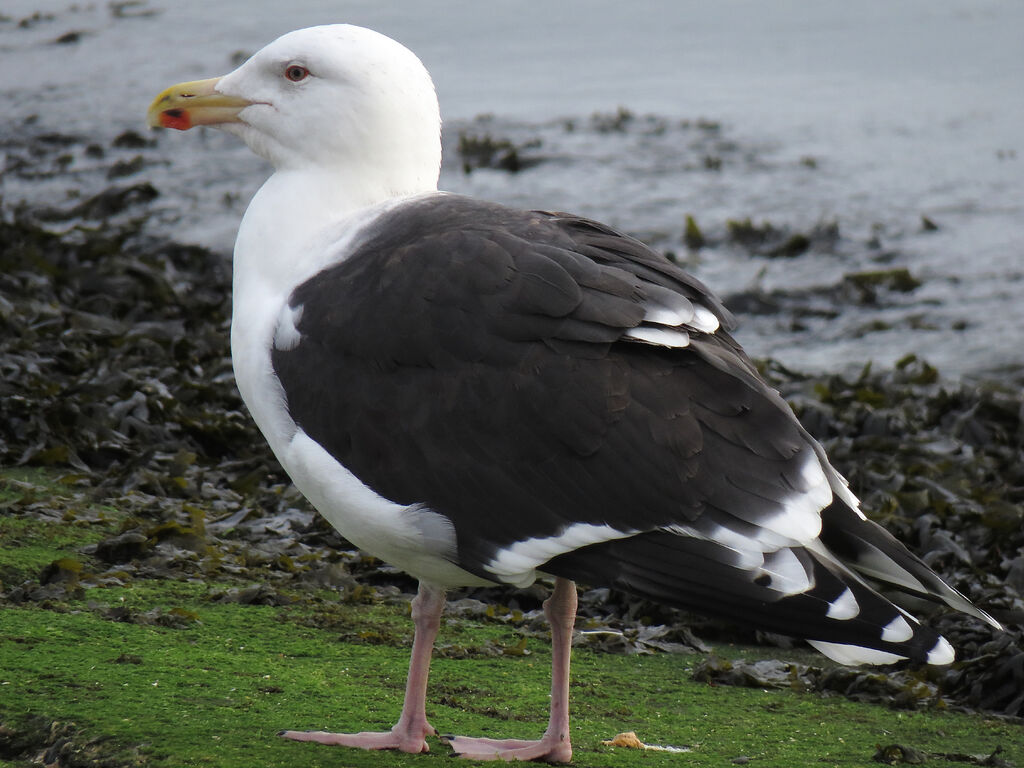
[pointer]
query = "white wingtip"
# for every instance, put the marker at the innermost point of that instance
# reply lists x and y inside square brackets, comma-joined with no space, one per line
[844,607]
[942,653]
[854,655]
[897,631]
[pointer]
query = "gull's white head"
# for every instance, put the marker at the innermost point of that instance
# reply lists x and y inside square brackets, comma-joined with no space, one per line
[335,98]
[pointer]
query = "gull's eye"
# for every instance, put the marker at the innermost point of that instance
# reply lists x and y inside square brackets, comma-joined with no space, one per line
[296,73]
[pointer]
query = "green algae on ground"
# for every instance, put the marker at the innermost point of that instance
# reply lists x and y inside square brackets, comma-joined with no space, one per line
[164,671]
[59,523]
[194,670]
[216,691]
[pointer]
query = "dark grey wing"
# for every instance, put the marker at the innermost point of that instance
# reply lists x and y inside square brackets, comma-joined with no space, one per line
[470,358]
[571,401]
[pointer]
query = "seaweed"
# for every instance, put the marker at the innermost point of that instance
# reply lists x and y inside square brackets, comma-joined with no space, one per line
[612,122]
[484,151]
[692,236]
[769,241]
[867,284]
[39,740]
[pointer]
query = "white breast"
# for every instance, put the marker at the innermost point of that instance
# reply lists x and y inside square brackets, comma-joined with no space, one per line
[268,266]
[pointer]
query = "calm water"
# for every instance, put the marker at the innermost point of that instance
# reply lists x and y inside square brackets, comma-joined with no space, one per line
[869,115]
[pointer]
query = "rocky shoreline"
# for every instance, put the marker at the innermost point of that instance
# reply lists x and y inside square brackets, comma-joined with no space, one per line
[116,376]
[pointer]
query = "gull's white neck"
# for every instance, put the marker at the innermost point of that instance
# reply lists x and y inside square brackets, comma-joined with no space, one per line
[284,235]
[298,223]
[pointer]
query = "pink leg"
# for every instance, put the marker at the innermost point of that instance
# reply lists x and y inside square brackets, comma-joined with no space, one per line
[412,727]
[554,746]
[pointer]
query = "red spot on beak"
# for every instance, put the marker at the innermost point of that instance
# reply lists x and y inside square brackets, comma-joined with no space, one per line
[177,119]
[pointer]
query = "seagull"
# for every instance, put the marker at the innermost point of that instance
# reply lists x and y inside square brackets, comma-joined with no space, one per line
[477,394]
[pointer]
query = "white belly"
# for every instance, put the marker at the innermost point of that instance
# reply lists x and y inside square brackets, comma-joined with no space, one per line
[285,239]
[383,528]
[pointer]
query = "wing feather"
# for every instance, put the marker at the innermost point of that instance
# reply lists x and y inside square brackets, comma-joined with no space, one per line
[478,361]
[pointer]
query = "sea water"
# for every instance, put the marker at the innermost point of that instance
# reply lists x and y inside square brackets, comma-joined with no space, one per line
[858,119]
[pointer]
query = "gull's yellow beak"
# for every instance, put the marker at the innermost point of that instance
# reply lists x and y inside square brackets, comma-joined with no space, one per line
[197,103]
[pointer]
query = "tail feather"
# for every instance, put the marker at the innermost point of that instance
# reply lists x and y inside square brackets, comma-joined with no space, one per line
[872,551]
[836,610]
